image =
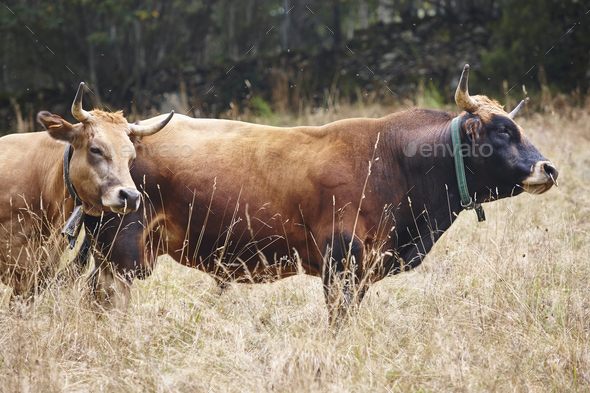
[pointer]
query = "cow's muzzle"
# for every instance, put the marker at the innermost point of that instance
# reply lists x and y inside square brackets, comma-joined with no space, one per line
[543,176]
[122,200]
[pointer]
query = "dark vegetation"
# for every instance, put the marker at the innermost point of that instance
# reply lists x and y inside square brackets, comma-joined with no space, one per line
[219,58]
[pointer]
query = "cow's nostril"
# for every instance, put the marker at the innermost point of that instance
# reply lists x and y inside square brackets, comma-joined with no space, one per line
[131,197]
[551,171]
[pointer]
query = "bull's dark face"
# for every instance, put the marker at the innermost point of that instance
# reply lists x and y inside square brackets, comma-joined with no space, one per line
[503,161]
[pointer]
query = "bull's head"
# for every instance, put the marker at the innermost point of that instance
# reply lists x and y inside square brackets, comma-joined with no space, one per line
[103,152]
[504,162]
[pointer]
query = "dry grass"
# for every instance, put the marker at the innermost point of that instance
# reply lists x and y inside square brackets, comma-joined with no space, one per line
[496,306]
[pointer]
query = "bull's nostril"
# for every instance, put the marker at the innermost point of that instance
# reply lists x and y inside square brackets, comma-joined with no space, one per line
[551,171]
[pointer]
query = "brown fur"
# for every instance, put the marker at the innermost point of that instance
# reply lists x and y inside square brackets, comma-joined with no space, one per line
[35,203]
[101,116]
[256,203]
[487,108]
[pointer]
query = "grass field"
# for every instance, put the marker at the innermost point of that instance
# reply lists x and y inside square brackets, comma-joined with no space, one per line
[498,306]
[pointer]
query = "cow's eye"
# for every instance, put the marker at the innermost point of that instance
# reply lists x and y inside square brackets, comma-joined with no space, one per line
[96,151]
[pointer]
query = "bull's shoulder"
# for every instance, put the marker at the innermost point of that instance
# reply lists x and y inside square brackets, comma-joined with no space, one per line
[416,119]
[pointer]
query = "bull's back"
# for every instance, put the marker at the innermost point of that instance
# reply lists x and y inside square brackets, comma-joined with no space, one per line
[284,167]
[254,189]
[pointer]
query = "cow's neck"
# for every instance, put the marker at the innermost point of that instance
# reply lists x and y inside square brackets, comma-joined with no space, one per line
[53,191]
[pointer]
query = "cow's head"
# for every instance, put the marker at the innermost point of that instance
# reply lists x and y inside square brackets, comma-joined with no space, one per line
[501,159]
[102,157]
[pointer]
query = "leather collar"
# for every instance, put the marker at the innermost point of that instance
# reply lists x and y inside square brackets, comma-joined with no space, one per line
[71,188]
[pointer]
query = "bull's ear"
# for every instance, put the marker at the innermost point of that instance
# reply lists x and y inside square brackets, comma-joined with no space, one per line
[57,127]
[473,128]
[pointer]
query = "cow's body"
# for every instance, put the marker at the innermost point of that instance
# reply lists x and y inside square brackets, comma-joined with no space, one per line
[35,200]
[253,202]
[34,204]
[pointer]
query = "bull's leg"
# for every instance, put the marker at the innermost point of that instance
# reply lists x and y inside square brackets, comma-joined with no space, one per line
[342,289]
[222,284]
[413,254]
[45,265]
[118,253]
[110,288]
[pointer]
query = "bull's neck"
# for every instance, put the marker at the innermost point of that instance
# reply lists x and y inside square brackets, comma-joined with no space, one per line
[427,170]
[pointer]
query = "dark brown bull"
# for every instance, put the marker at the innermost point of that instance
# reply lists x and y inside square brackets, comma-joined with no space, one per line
[254,203]
[35,202]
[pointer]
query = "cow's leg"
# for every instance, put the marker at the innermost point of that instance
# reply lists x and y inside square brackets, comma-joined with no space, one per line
[35,269]
[23,291]
[342,289]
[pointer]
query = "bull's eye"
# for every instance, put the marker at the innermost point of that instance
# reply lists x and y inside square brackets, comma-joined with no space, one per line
[96,151]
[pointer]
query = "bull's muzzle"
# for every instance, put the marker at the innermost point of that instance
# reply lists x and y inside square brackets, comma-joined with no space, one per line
[543,176]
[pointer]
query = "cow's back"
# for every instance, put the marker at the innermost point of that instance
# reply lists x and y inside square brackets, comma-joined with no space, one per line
[30,199]
[28,166]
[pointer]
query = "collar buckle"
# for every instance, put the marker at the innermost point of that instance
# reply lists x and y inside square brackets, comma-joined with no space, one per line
[470,205]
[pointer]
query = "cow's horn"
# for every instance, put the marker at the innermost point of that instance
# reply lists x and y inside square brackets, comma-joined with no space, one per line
[513,114]
[462,98]
[149,130]
[79,114]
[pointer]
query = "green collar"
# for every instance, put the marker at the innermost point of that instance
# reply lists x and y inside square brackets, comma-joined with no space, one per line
[466,201]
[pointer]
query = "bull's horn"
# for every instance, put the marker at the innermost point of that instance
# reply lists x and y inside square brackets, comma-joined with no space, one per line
[149,130]
[79,114]
[513,114]
[462,98]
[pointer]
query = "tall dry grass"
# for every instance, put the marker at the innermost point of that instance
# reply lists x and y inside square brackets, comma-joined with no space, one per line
[496,306]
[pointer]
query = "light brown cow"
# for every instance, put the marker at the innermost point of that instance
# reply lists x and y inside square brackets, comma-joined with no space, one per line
[34,199]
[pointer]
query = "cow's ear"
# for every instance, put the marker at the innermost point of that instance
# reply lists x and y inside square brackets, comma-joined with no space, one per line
[473,128]
[57,127]
[135,139]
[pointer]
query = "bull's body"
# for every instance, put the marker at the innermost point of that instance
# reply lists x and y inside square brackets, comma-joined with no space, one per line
[351,201]
[252,197]
[249,199]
